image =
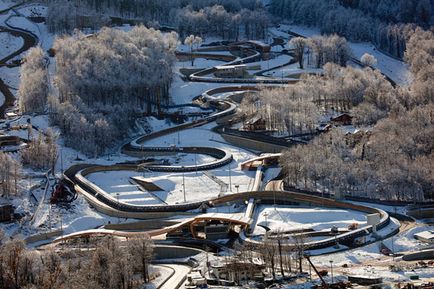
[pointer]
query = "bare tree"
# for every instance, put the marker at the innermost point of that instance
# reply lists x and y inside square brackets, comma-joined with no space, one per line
[299,44]
[142,252]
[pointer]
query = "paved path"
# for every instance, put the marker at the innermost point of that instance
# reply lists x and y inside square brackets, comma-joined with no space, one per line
[177,279]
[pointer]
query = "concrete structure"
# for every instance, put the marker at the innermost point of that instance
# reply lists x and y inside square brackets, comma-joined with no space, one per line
[255,124]
[195,279]
[343,119]
[238,271]
[259,45]
[373,220]
[231,71]
[425,236]
[263,160]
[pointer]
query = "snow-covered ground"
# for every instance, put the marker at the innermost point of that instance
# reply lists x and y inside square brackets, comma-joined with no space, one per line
[39,29]
[395,69]
[197,185]
[291,70]
[11,76]
[270,174]
[33,10]
[9,44]
[5,4]
[117,184]
[289,218]
[198,63]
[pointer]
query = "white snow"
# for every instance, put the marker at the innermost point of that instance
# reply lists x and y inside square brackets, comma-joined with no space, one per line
[5,4]
[197,185]
[198,63]
[9,44]
[33,10]
[288,218]
[117,184]
[11,77]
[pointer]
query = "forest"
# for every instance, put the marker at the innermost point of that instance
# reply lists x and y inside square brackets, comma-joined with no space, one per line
[384,23]
[204,18]
[392,157]
[105,264]
[101,92]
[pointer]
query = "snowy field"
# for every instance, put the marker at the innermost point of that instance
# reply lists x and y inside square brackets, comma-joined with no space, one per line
[117,184]
[289,218]
[33,10]
[9,44]
[39,29]
[291,70]
[10,76]
[4,4]
[198,63]
[198,186]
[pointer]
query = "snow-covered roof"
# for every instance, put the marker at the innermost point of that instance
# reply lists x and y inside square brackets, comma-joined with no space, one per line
[427,235]
[223,67]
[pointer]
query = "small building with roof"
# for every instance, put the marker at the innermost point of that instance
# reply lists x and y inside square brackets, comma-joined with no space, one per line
[231,71]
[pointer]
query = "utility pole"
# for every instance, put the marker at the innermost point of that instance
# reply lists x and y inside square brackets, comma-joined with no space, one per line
[230,179]
[310,273]
[49,216]
[117,197]
[61,160]
[265,214]
[195,159]
[280,255]
[331,269]
[183,184]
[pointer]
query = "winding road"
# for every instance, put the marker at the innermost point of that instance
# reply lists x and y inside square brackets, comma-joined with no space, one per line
[30,40]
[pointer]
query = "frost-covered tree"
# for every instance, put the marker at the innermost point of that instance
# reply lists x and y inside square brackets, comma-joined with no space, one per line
[10,174]
[368,60]
[34,82]
[193,42]
[42,152]
[383,22]
[187,16]
[393,159]
[332,48]
[106,80]
[299,44]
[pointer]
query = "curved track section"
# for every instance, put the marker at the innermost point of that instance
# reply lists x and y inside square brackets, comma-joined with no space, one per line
[104,202]
[280,197]
[30,40]
[252,55]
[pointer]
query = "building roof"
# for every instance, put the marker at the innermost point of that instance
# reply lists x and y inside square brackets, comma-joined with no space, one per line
[222,67]
[259,43]
[428,235]
[254,120]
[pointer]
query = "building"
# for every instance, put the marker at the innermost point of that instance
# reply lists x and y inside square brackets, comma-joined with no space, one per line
[256,123]
[259,45]
[195,279]
[6,212]
[342,119]
[231,71]
[425,236]
[238,271]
